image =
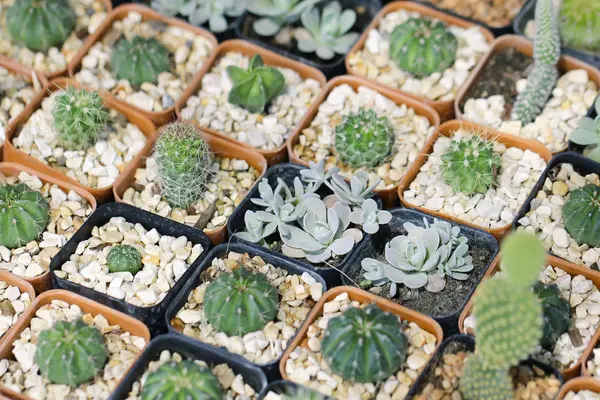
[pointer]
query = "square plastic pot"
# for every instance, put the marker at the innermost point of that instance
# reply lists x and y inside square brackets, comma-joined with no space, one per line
[152,316]
[374,248]
[24,287]
[287,387]
[270,369]
[193,350]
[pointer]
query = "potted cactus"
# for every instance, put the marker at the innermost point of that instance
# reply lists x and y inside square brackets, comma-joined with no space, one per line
[286,390]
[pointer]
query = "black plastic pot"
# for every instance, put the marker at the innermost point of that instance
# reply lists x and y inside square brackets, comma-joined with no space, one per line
[193,350]
[271,369]
[330,68]
[527,14]
[288,387]
[154,316]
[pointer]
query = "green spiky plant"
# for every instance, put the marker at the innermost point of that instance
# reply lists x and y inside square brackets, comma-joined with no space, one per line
[364,345]
[480,383]
[71,353]
[140,60]
[470,164]
[79,117]
[580,25]
[40,24]
[24,215]
[240,302]
[184,159]
[124,258]
[581,215]
[557,313]
[364,140]
[302,393]
[422,46]
[182,380]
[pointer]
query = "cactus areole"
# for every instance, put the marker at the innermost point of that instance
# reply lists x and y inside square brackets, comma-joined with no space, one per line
[23,215]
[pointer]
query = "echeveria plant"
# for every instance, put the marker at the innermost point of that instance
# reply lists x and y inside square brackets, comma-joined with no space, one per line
[200,12]
[277,13]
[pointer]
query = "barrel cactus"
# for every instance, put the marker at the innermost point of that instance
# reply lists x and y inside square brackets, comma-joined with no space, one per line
[557,313]
[364,345]
[140,60]
[581,215]
[71,353]
[422,46]
[124,258]
[182,380]
[579,22]
[24,215]
[240,302]
[364,140]
[40,24]
[479,382]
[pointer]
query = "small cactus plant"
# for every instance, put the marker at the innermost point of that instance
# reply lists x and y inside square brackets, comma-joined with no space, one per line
[71,353]
[40,24]
[302,393]
[364,345]
[580,25]
[139,60]
[23,215]
[181,380]
[581,215]
[470,165]
[364,140]
[557,313]
[79,117]
[124,258]
[240,302]
[423,46]
[478,382]
[184,160]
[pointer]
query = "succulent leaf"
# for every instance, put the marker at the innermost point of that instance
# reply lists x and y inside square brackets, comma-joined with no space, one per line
[277,13]
[201,12]
[557,313]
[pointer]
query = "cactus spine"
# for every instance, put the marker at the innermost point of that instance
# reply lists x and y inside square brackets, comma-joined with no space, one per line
[23,215]
[581,215]
[181,380]
[580,25]
[124,258]
[478,382]
[140,60]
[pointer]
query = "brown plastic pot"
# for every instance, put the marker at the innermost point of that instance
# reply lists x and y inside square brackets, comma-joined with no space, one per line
[24,287]
[42,283]
[301,340]
[523,46]
[218,146]
[388,196]
[577,385]
[270,58]
[127,324]
[444,107]
[14,155]
[447,129]
[570,269]
[120,13]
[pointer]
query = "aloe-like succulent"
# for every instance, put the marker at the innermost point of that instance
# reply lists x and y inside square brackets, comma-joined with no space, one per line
[200,12]
[588,134]
[277,13]
[370,216]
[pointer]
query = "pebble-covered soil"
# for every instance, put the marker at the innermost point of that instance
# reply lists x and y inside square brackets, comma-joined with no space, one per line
[12,304]
[582,395]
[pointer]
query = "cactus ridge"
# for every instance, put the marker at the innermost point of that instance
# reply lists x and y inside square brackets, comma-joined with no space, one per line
[184,380]
[581,215]
[24,215]
[140,60]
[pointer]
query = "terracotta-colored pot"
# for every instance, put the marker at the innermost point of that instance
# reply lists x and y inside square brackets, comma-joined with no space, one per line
[570,269]
[120,13]
[389,196]
[270,58]
[523,46]
[444,107]
[426,323]
[220,147]
[447,129]
[42,283]
[24,287]
[15,155]
[579,384]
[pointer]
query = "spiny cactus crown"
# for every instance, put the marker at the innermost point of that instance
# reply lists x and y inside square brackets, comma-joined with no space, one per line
[124,258]
[182,380]
[24,215]
[140,60]
[478,382]
[580,25]
[581,215]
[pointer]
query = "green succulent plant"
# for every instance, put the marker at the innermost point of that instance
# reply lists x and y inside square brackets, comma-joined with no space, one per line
[139,60]
[557,313]
[581,215]
[302,393]
[182,380]
[479,382]
[124,258]
[588,134]
[200,12]
[422,46]
[277,13]
[254,88]
[40,24]
[71,353]
[24,215]
[580,25]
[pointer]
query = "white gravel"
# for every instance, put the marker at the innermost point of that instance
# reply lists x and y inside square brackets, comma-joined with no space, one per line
[582,395]
[13,303]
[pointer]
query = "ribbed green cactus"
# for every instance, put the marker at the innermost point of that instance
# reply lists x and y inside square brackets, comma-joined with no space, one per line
[79,117]
[423,46]
[124,258]
[140,60]
[581,215]
[480,383]
[71,353]
[23,215]
[40,24]
[182,380]
[557,313]
[364,345]
[364,140]
[580,25]
[184,160]
[470,165]
[240,302]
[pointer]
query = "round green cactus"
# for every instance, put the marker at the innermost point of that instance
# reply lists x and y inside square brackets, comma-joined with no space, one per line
[470,165]
[182,380]
[124,258]
[579,22]
[364,345]
[363,140]
[23,215]
[140,60]
[184,160]
[71,353]
[240,302]
[581,215]
[557,313]
[478,382]
[423,46]
[79,117]
[40,24]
